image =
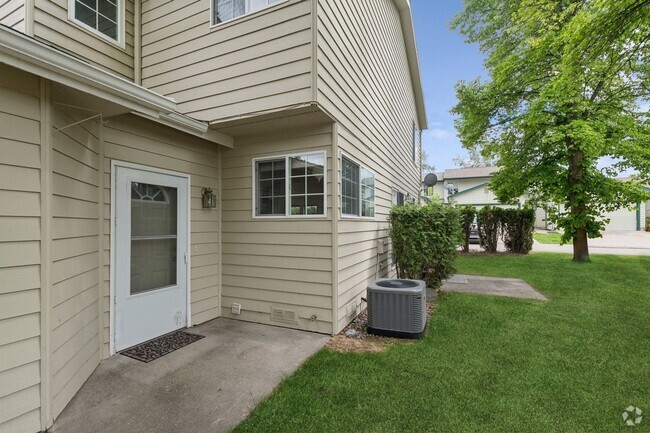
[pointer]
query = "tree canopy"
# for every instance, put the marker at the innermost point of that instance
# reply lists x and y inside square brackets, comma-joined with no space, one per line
[567,80]
[474,159]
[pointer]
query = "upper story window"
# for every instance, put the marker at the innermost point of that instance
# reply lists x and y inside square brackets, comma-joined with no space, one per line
[102,17]
[357,190]
[290,185]
[226,10]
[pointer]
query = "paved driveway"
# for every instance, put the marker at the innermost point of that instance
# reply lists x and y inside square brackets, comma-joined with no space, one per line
[209,386]
[623,243]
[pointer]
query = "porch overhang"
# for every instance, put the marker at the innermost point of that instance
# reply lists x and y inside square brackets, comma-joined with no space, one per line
[30,55]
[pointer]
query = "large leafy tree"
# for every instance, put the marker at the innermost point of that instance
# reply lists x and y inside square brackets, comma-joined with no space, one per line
[474,159]
[567,78]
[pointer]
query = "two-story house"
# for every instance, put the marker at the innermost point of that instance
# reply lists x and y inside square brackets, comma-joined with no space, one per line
[466,186]
[165,163]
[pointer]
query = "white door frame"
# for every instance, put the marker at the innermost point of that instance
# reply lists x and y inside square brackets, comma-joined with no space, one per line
[114,165]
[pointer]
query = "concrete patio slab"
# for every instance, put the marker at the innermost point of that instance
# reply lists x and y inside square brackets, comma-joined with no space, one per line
[511,287]
[209,386]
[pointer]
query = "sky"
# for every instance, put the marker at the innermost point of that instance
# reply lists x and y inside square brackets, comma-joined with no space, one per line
[444,59]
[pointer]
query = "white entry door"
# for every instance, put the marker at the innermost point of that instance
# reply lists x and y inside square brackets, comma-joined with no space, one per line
[151,238]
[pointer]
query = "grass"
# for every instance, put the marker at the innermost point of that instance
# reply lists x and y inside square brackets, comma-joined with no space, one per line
[548,238]
[491,364]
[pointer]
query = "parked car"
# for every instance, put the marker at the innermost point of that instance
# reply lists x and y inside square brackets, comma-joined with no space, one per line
[473,232]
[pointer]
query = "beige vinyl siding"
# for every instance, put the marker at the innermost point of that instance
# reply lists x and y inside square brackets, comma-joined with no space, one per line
[364,81]
[130,139]
[20,251]
[12,14]
[76,285]
[255,63]
[51,24]
[281,262]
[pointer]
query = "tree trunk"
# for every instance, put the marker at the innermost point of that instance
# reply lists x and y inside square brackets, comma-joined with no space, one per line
[577,202]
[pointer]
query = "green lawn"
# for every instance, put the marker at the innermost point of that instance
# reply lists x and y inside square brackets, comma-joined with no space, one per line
[493,364]
[548,238]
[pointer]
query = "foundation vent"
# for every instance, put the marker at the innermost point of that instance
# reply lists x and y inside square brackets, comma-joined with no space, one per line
[285,316]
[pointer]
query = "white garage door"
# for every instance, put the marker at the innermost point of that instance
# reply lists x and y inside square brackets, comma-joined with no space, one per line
[621,220]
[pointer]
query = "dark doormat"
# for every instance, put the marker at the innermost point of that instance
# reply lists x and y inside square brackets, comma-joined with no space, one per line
[161,346]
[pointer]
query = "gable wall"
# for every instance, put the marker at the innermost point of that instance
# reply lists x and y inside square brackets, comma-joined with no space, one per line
[364,82]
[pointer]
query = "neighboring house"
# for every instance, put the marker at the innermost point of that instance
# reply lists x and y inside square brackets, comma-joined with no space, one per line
[619,220]
[469,186]
[299,120]
[466,186]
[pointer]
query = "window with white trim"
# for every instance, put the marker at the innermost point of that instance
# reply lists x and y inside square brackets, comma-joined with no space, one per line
[398,198]
[290,185]
[100,16]
[226,10]
[357,190]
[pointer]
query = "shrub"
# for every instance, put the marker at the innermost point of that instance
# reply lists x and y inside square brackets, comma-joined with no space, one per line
[424,240]
[488,219]
[647,224]
[467,215]
[517,227]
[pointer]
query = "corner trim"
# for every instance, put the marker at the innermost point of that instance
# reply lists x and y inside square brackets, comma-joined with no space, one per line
[46,254]
[335,227]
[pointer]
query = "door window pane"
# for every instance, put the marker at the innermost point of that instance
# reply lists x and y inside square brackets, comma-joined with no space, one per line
[154,231]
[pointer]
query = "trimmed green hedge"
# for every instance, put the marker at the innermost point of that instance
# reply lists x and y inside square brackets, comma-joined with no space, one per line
[514,226]
[517,227]
[488,219]
[424,240]
[467,215]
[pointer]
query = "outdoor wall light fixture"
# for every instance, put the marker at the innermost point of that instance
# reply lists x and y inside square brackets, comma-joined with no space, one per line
[209,199]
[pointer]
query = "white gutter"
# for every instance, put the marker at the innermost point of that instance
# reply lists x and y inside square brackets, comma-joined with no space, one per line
[30,55]
[192,126]
[408,31]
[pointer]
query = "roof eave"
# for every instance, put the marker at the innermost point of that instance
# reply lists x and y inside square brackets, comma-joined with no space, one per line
[28,54]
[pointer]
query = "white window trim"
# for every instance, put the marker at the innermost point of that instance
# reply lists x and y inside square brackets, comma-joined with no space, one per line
[394,195]
[374,175]
[120,42]
[287,186]
[264,9]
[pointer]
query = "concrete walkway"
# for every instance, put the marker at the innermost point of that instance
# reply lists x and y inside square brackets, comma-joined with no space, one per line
[209,386]
[511,287]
